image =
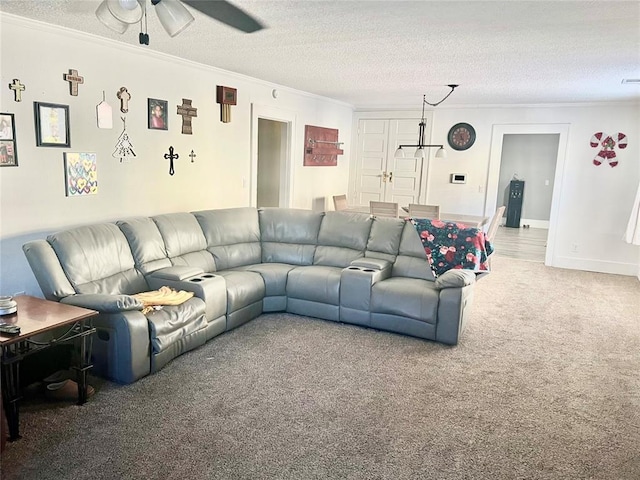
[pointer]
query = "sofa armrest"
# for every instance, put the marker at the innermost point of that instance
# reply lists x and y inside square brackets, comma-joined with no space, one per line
[455,278]
[176,273]
[373,263]
[104,303]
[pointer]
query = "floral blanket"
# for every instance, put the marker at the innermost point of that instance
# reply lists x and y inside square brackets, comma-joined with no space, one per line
[453,245]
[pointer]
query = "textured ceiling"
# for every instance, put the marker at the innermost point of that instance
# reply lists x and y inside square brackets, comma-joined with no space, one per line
[374,54]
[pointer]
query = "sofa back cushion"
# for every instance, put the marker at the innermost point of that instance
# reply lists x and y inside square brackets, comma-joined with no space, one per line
[97,259]
[232,235]
[289,235]
[342,238]
[412,260]
[384,239]
[146,243]
[184,240]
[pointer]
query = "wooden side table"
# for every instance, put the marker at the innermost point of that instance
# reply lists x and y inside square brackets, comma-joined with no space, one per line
[36,316]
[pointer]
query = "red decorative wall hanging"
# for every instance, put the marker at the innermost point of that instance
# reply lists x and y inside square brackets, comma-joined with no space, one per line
[321,146]
[607,143]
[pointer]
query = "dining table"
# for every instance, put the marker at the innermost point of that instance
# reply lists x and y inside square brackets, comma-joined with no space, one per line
[477,221]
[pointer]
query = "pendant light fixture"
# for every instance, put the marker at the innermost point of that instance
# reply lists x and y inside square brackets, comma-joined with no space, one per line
[419,153]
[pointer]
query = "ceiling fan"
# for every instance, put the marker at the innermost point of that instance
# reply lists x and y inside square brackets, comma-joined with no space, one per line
[174,17]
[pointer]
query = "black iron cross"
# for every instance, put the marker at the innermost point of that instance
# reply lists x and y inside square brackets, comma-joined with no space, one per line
[171,157]
[192,155]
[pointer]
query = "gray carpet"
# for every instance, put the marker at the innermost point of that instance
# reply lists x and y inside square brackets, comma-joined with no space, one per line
[544,385]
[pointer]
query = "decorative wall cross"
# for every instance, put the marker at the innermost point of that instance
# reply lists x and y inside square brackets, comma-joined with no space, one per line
[192,155]
[187,112]
[124,96]
[74,80]
[17,88]
[171,157]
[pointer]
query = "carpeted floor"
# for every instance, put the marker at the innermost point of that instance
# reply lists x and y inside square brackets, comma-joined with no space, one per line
[545,384]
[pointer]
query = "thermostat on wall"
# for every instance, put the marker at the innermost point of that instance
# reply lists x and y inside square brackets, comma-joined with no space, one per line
[458,178]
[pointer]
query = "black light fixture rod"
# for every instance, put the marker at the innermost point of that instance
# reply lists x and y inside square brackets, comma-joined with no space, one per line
[424,98]
[423,146]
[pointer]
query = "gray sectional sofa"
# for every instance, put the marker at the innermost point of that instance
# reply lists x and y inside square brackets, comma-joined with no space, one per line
[241,262]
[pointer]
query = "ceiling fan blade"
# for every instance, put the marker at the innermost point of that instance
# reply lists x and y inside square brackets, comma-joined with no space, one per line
[225,12]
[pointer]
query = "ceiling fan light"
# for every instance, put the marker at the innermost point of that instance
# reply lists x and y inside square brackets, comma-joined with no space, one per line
[173,16]
[125,11]
[399,153]
[441,153]
[108,20]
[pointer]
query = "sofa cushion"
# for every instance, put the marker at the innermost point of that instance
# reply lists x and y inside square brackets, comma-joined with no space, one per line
[274,276]
[232,236]
[315,283]
[289,235]
[147,245]
[342,238]
[412,260]
[173,323]
[97,259]
[384,238]
[184,240]
[243,288]
[406,297]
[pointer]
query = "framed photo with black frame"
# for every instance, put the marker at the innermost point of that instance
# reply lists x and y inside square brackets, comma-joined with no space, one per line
[8,150]
[157,114]
[52,125]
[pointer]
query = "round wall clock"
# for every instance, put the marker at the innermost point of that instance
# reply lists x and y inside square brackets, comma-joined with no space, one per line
[461,136]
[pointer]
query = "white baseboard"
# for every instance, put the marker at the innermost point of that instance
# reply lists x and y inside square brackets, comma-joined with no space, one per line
[601,266]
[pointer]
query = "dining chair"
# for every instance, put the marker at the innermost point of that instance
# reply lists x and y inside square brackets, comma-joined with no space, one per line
[383,209]
[495,223]
[340,202]
[424,211]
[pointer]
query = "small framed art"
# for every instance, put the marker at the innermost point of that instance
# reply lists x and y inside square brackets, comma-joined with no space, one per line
[80,174]
[8,151]
[157,114]
[52,125]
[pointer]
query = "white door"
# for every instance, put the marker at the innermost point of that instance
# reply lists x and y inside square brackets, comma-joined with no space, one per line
[379,175]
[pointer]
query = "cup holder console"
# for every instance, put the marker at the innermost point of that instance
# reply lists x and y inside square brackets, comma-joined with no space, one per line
[202,278]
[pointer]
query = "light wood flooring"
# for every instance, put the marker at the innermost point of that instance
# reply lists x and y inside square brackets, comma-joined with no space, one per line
[522,243]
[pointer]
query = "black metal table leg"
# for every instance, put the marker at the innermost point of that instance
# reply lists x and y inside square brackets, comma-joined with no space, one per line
[11,393]
[84,362]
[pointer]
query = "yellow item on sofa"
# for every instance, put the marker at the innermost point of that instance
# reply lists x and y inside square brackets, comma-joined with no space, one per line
[163,296]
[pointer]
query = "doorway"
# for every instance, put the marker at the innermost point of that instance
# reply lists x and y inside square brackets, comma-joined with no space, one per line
[272,139]
[550,138]
[271,147]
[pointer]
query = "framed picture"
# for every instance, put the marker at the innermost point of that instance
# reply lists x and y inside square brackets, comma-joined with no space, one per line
[8,151]
[80,174]
[157,114]
[52,125]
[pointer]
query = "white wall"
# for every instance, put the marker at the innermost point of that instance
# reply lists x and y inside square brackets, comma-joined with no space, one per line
[32,199]
[594,203]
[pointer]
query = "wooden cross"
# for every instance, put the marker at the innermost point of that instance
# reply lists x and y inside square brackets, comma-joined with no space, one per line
[192,155]
[187,111]
[74,80]
[17,88]
[124,97]
[171,157]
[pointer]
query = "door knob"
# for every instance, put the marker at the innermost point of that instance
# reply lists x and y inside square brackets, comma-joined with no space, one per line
[384,177]
[390,177]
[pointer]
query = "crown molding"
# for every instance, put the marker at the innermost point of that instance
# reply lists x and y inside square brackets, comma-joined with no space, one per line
[39,26]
